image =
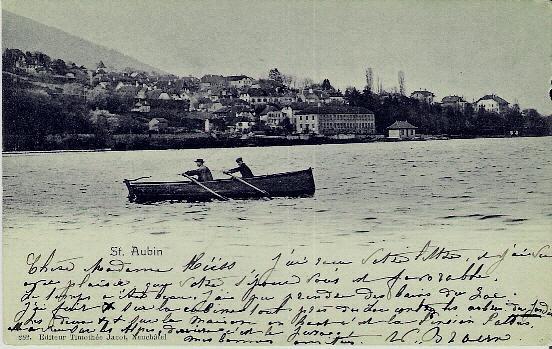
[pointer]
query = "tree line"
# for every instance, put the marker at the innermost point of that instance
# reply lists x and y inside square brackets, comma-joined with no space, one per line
[31,114]
[434,119]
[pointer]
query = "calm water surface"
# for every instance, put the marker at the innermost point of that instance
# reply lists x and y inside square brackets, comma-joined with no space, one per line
[365,193]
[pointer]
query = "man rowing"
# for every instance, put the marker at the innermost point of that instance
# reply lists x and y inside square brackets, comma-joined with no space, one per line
[242,168]
[202,172]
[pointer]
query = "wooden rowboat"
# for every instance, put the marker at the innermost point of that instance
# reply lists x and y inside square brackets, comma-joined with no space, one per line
[292,184]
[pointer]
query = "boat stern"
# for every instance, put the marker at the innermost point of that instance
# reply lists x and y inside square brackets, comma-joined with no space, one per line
[131,196]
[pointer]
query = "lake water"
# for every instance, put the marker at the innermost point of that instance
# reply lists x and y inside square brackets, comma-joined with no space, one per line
[483,196]
[365,193]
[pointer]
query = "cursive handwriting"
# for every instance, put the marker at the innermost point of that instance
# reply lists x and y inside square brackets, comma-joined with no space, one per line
[426,294]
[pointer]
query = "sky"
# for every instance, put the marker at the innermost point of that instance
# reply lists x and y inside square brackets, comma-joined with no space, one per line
[467,48]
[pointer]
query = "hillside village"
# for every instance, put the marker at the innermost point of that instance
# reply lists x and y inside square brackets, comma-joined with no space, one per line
[106,103]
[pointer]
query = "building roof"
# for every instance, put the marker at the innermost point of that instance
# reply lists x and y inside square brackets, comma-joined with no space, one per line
[310,95]
[203,100]
[128,89]
[154,94]
[397,125]
[493,97]
[224,110]
[104,78]
[141,94]
[452,99]
[212,78]
[232,102]
[268,109]
[141,102]
[232,110]
[334,109]
[424,93]
[321,94]
[237,77]
[241,108]
[199,115]
[299,105]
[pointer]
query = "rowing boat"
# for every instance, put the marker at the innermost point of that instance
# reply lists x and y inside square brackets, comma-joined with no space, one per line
[287,184]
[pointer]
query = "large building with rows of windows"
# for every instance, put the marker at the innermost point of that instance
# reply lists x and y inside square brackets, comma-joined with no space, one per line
[332,120]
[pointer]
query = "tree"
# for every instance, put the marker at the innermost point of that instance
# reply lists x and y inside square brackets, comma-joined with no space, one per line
[514,120]
[127,124]
[29,115]
[97,98]
[535,124]
[402,88]
[59,67]
[288,80]
[306,82]
[37,58]
[287,125]
[100,126]
[10,58]
[380,86]
[119,103]
[327,86]
[274,74]
[369,79]
[353,97]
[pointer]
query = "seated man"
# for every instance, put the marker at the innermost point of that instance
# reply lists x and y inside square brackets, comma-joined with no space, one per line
[202,172]
[244,170]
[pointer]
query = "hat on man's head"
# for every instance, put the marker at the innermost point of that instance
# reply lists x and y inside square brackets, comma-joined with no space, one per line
[200,160]
[239,159]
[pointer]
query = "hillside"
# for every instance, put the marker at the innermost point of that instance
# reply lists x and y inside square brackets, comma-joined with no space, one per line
[28,35]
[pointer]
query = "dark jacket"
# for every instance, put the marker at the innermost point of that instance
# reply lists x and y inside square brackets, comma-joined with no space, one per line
[244,170]
[203,173]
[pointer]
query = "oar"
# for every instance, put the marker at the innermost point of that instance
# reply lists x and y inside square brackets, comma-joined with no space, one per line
[221,197]
[137,179]
[264,192]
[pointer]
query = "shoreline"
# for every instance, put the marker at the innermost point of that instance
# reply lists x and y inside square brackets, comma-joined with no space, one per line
[23,152]
[256,142]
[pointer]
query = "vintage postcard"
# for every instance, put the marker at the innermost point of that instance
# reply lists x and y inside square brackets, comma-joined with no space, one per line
[276,173]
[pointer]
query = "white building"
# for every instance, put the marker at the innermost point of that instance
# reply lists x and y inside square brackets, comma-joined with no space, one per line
[239,81]
[141,106]
[244,96]
[454,102]
[492,103]
[401,130]
[423,96]
[334,120]
[275,118]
